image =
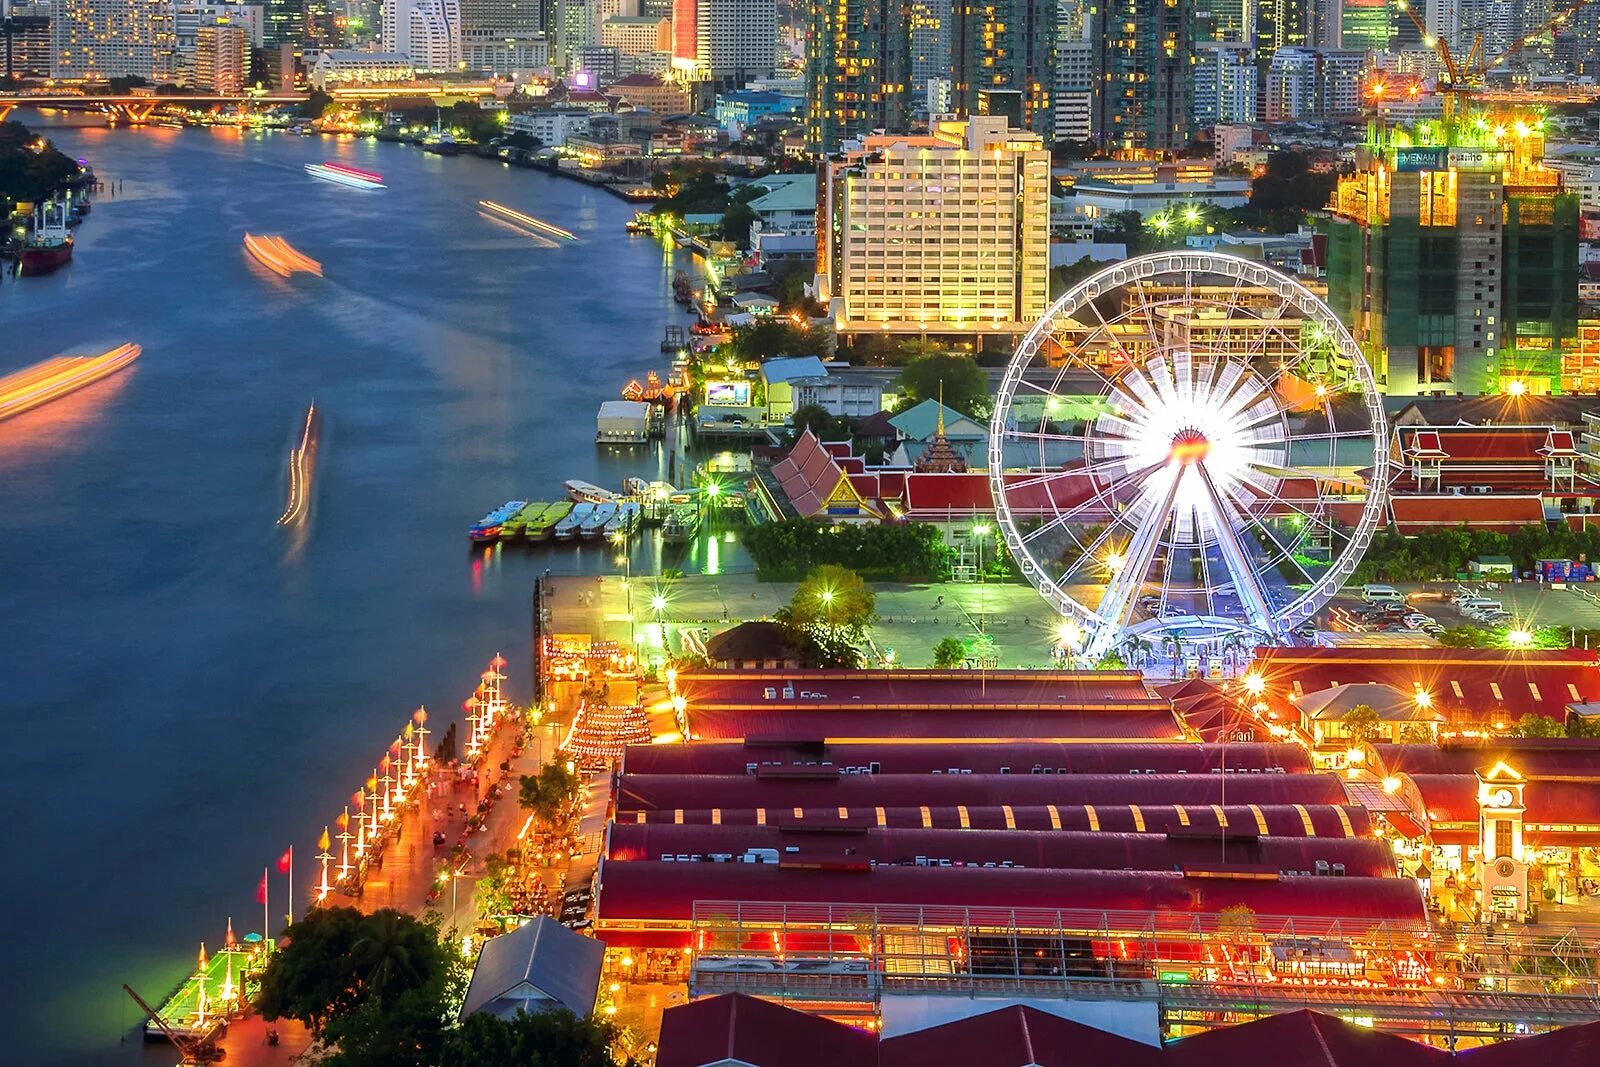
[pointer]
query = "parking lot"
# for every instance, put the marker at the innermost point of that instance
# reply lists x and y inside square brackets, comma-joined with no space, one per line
[1528,605]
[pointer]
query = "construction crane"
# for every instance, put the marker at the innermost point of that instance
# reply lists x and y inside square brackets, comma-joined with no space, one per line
[1468,76]
[194,1051]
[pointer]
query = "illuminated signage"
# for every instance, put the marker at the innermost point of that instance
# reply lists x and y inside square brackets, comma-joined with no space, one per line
[730,394]
[1477,158]
[1415,159]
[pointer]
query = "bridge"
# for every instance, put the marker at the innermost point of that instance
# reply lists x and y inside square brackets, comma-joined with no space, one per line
[138,108]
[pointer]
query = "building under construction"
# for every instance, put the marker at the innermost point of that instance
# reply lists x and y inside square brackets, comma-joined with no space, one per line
[1452,254]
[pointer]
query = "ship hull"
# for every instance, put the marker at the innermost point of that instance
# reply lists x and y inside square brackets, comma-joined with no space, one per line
[44,260]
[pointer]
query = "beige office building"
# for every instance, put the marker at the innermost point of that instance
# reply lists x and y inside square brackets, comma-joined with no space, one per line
[941,234]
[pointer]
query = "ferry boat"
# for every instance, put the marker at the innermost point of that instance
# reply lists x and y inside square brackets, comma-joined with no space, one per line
[588,492]
[488,527]
[49,246]
[595,524]
[683,522]
[440,142]
[55,378]
[522,218]
[512,529]
[544,526]
[340,174]
[625,521]
[570,526]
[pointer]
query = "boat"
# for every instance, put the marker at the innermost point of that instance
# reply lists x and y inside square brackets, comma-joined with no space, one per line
[340,174]
[625,521]
[578,489]
[49,246]
[683,522]
[55,378]
[541,528]
[572,523]
[595,524]
[279,256]
[440,142]
[539,226]
[512,529]
[488,527]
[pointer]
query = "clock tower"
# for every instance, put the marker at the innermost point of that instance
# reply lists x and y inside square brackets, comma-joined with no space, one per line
[1502,874]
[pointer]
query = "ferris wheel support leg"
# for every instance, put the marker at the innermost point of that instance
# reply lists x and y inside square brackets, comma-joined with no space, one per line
[1233,555]
[1129,578]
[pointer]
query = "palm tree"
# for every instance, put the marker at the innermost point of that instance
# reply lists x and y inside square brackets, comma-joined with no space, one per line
[385,955]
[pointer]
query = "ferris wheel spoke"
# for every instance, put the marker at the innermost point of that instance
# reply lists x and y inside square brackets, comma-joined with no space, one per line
[1117,599]
[1079,508]
[1294,507]
[1246,582]
[1252,520]
[1088,554]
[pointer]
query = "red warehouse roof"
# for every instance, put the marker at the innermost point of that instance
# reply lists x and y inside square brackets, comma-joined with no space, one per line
[1414,514]
[1016,1036]
[739,1029]
[1303,1039]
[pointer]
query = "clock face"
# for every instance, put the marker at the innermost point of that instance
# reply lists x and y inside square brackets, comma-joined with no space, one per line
[1502,798]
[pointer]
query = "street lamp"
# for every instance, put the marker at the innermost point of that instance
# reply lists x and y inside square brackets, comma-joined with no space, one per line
[980,533]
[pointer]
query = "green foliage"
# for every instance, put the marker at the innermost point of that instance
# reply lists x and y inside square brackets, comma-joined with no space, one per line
[1361,722]
[817,419]
[1289,184]
[1500,637]
[378,985]
[27,172]
[1443,551]
[1586,726]
[736,222]
[316,104]
[1124,227]
[1414,733]
[949,652]
[964,384]
[701,193]
[554,1038]
[832,596]
[789,549]
[549,793]
[122,85]
[1537,726]
[770,338]
[1065,277]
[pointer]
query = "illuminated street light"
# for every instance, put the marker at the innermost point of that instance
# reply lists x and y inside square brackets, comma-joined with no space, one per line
[1113,561]
[1424,699]
[1069,634]
[658,603]
[1519,639]
[1516,387]
[1254,684]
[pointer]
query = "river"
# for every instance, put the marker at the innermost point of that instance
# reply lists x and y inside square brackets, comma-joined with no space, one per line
[188,688]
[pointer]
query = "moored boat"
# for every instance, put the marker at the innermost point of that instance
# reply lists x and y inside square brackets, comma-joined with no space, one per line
[581,490]
[596,522]
[683,522]
[512,529]
[488,527]
[544,526]
[572,523]
[625,521]
[49,246]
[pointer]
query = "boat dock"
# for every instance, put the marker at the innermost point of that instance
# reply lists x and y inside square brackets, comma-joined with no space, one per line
[559,521]
[221,986]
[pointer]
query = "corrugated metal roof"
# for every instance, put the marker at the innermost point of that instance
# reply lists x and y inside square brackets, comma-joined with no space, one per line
[563,965]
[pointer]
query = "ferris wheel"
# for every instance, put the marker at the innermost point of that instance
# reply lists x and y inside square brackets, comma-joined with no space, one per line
[1188,449]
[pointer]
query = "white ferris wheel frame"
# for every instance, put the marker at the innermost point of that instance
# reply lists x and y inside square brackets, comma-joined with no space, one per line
[1243,272]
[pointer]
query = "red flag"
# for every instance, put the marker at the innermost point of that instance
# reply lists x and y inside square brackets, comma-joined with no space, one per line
[261,890]
[285,860]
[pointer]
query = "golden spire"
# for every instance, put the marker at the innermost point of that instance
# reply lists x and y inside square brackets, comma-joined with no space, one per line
[940,431]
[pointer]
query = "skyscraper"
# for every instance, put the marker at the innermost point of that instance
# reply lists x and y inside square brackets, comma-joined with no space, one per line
[112,38]
[1004,44]
[1224,83]
[930,43]
[858,60]
[1143,64]
[428,32]
[503,16]
[736,40]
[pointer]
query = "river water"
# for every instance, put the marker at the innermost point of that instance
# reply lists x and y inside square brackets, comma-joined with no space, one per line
[186,688]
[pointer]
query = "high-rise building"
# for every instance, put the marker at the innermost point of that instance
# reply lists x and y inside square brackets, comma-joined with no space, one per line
[1001,45]
[1224,83]
[1455,261]
[508,54]
[428,32]
[946,233]
[285,21]
[930,42]
[1282,24]
[27,48]
[112,38]
[1365,24]
[569,26]
[736,41]
[1314,83]
[1143,64]
[633,35]
[502,16]
[1075,88]
[858,70]
[221,57]
[1222,20]
[685,33]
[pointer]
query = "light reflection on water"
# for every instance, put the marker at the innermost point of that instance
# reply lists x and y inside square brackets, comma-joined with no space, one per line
[185,693]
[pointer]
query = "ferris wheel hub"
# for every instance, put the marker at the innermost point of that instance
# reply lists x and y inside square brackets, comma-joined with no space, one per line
[1189,446]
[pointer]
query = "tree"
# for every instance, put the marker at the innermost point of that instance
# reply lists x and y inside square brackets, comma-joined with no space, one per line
[964,385]
[736,223]
[768,338]
[1583,726]
[549,793]
[1415,733]
[371,984]
[1361,722]
[550,1038]
[949,652]
[1537,726]
[30,167]
[316,104]
[820,421]
[828,616]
